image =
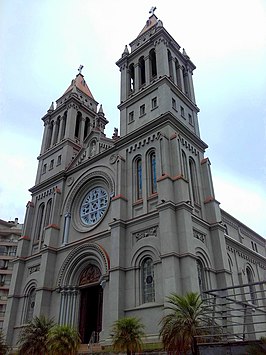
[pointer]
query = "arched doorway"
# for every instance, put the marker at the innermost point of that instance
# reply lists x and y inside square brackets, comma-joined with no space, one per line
[91,301]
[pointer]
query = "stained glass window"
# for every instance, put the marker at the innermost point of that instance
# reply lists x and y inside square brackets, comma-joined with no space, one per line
[139,178]
[93,206]
[148,281]
[153,173]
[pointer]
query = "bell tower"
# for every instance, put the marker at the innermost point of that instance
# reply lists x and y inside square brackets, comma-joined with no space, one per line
[156,77]
[67,127]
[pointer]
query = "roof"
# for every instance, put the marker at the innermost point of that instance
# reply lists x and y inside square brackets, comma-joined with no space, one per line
[152,21]
[81,84]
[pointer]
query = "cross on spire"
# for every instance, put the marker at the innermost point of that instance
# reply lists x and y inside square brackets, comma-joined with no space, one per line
[80,68]
[152,10]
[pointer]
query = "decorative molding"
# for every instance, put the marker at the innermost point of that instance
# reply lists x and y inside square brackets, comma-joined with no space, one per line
[145,141]
[189,146]
[199,235]
[70,181]
[104,146]
[46,193]
[78,254]
[34,268]
[150,232]
[244,256]
[229,222]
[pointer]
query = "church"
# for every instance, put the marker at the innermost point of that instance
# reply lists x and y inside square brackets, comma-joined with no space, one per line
[117,224]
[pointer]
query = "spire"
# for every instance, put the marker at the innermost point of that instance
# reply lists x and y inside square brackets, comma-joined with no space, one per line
[152,21]
[80,84]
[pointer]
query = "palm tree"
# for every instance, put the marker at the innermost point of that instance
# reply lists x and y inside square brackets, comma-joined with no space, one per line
[3,346]
[34,336]
[181,325]
[127,335]
[63,340]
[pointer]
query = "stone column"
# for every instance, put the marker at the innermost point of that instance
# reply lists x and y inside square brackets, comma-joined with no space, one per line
[161,58]
[147,69]
[137,77]
[44,139]
[66,228]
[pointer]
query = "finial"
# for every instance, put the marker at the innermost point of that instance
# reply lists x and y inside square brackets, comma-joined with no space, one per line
[51,107]
[100,112]
[126,51]
[80,68]
[152,10]
[185,53]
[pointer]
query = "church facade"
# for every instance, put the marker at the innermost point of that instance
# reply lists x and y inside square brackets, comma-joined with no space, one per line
[117,224]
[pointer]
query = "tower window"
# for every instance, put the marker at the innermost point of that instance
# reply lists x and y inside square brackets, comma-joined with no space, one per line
[153,63]
[132,77]
[174,104]
[182,111]
[51,164]
[131,117]
[59,159]
[154,103]
[78,124]
[190,119]
[142,110]
[44,168]
[170,64]
[142,71]
[254,246]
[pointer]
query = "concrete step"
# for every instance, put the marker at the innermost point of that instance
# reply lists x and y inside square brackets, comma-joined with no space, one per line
[93,348]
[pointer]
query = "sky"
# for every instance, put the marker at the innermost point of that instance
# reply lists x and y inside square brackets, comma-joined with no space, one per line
[42,44]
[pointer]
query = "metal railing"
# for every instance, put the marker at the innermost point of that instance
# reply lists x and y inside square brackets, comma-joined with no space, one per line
[234,313]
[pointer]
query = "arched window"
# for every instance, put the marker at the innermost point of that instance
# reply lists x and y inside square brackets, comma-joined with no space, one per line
[142,76]
[131,71]
[86,127]
[252,289]
[201,277]
[138,172]
[148,286]
[39,222]
[152,173]
[193,180]
[170,64]
[78,122]
[184,161]
[153,64]
[63,130]
[30,303]
[48,213]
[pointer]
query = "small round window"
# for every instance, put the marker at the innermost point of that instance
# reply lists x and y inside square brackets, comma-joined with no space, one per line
[94,206]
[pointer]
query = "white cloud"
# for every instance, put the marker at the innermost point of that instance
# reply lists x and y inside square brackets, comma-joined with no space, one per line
[241,198]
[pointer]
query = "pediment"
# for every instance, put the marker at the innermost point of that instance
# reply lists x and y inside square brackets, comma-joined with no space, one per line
[94,144]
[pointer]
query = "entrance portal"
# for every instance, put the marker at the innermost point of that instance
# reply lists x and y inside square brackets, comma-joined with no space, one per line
[91,300]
